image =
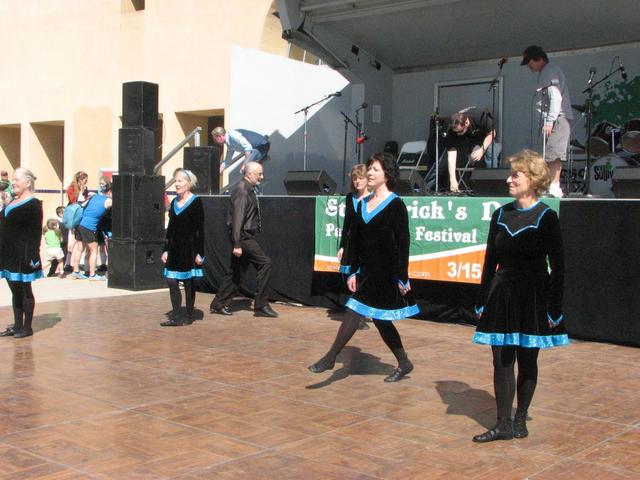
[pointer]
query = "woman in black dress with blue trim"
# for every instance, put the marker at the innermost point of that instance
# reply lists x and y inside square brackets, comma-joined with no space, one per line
[520,302]
[358,192]
[184,247]
[20,234]
[378,255]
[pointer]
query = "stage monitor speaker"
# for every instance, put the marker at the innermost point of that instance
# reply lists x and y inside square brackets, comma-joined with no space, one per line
[309,182]
[490,182]
[136,151]
[626,182]
[138,207]
[202,161]
[410,182]
[140,105]
[135,264]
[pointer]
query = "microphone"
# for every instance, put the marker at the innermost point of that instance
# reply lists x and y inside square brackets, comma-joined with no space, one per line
[592,72]
[502,61]
[361,139]
[364,105]
[553,83]
[623,72]
[337,94]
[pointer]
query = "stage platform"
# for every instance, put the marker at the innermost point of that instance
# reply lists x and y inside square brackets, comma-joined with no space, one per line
[602,253]
[103,392]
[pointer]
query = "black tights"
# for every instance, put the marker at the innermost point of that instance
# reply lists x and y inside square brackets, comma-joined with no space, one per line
[23,304]
[504,382]
[176,295]
[387,331]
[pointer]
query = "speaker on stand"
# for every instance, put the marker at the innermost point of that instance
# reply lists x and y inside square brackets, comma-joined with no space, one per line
[200,160]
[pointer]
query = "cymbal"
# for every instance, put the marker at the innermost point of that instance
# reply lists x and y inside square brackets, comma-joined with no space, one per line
[582,108]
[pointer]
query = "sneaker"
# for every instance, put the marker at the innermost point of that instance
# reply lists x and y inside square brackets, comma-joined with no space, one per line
[97,278]
[78,276]
[556,191]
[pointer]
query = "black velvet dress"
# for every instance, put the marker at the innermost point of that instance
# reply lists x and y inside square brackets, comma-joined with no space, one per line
[20,234]
[518,295]
[185,239]
[350,212]
[379,254]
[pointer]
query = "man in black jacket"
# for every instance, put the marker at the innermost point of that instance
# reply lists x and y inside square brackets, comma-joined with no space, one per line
[243,220]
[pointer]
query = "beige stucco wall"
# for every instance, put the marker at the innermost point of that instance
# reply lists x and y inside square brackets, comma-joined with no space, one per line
[64,62]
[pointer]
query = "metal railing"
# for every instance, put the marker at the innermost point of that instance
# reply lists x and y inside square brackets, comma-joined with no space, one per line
[195,134]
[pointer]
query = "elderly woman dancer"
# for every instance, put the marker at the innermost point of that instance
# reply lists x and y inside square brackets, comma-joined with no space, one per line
[20,231]
[378,254]
[184,247]
[519,307]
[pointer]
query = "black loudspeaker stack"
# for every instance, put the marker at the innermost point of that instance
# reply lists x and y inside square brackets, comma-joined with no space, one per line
[138,196]
[309,182]
[490,182]
[410,182]
[200,161]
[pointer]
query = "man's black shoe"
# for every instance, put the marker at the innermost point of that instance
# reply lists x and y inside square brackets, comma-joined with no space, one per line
[221,311]
[265,311]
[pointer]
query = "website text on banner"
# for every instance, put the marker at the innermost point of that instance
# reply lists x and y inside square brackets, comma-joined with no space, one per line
[448,235]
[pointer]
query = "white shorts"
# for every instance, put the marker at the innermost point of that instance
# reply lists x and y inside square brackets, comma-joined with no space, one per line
[54,252]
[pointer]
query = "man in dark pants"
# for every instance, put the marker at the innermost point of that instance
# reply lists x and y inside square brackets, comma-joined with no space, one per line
[243,220]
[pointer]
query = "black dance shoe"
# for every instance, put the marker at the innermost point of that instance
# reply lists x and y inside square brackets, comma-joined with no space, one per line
[265,311]
[9,332]
[187,318]
[175,320]
[325,363]
[399,372]
[520,427]
[502,431]
[221,311]
[25,332]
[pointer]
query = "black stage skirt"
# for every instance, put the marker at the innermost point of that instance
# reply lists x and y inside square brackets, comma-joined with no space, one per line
[378,297]
[516,312]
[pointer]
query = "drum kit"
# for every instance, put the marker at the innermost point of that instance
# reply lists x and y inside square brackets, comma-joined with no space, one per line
[610,146]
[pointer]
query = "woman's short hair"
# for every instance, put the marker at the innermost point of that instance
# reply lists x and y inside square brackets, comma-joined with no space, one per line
[389,167]
[28,176]
[191,178]
[533,166]
[357,171]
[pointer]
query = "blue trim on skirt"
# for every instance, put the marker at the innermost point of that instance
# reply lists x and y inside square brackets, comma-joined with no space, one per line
[521,340]
[21,277]
[346,269]
[193,273]
[380,314]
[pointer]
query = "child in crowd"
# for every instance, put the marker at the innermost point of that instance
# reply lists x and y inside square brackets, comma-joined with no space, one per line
[53,240]
[64,243]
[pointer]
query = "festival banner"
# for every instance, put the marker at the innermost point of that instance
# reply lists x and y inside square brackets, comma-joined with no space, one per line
[448,235]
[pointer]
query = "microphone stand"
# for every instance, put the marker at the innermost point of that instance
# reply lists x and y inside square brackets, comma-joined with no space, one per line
[346,121]
[492,88]
[305,110]
[436,121]
[359,132]
[589,114]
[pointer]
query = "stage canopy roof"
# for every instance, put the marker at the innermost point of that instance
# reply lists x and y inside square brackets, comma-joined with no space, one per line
[408,35]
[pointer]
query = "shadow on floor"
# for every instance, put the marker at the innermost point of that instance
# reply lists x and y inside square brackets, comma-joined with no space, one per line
[461,399]
[355,362]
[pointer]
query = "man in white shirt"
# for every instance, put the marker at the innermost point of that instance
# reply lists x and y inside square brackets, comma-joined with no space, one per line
[556,104]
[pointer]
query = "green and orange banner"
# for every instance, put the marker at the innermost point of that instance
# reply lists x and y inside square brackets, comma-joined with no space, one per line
[448,235]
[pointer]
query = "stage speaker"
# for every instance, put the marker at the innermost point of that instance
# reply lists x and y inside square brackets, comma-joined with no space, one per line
[490,182]
[138,207]
[136,151]
[140,105]
[309,182]
[135,264]
[626,182]
[203,162]
[410,182]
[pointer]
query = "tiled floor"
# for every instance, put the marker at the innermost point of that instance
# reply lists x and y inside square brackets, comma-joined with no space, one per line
[103,392]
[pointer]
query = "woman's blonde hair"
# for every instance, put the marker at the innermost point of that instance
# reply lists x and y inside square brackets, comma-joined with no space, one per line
[191,178]
[359,170]
[533,166]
